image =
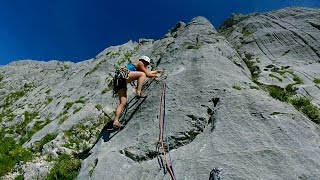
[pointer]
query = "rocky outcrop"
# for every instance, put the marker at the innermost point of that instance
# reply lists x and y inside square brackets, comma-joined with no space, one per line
[217,112]
[282,46]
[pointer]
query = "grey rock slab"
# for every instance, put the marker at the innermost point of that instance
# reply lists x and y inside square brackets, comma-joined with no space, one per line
[283,38]
[37,169]
[208,122]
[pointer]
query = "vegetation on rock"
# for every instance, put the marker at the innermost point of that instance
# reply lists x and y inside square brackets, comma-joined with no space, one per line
[67,168]
[38,146]
[304,105]
[316,80]
[10,154]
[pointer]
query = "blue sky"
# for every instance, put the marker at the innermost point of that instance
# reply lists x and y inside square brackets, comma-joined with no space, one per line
[76,30]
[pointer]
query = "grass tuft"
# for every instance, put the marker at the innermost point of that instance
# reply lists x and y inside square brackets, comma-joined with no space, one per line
[237,87]
[67,167]
[278,93]
[246,33]
[11,154]
[39,144]
[297,79]
[316,80]
[304,105]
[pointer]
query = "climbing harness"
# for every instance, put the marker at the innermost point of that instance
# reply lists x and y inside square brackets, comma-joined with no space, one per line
[161,127]
[122,73]
[119,79]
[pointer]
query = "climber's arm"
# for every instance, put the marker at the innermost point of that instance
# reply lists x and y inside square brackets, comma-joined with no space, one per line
[149,74]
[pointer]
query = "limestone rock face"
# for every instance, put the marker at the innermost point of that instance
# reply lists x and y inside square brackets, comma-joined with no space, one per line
[280,44]
[216,116]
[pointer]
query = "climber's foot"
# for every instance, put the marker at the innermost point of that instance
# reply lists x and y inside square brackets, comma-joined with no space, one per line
[117,125]
[141,95]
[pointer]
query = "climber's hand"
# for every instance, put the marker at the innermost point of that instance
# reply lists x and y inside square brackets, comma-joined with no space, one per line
[157,78]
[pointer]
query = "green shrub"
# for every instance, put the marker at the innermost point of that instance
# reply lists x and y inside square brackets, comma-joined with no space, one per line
[316,80]
[77,110]
[27,135]
[68,105]
[47,138]
[28,117]
[297,79]
[127,56]
[112,55]
[228,31]
[289,88]
[254,70]
[14,96]
[254,78]
[237,87]
[246,33]
[20,177]
[10,154]
[64,118]
[21,129]
[248,56]
[66,168]
[74,141]
[20,154]
[49,100]
[278,93]
[300,102]
[304,105]
[10,116]
[78,134]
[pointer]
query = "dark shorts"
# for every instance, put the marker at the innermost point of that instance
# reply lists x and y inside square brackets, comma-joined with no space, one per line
[119,83]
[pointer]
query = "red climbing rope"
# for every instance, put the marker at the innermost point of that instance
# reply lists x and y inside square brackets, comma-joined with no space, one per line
[161,122]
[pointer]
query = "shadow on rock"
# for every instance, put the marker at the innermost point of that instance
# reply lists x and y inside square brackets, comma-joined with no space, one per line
[108,132]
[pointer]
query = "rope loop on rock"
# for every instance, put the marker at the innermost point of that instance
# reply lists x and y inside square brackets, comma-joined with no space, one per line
[161,127]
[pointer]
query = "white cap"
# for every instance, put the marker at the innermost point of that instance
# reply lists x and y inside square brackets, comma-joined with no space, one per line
[145,58]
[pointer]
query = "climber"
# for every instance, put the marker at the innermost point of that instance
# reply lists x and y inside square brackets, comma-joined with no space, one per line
[136,70]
